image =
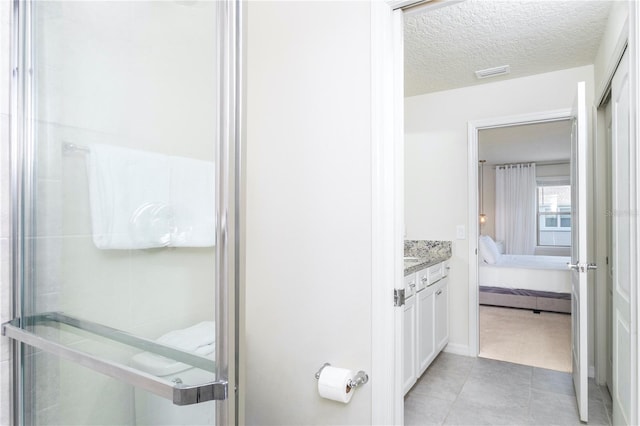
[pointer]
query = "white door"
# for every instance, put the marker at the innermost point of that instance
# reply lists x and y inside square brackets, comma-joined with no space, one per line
[609,271]
[621,262]
[579,250]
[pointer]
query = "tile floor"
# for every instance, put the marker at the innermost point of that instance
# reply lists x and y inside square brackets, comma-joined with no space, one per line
[459,390]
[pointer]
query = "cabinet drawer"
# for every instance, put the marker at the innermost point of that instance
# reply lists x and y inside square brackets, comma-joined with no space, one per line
[434,274]
[429,276]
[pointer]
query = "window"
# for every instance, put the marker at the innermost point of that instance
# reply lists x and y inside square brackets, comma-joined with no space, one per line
[554,214]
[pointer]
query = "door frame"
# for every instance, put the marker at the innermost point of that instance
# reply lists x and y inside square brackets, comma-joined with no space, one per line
[387,202]
[602,164]
[473,128]
[634,83]
[387,174]
[388,209]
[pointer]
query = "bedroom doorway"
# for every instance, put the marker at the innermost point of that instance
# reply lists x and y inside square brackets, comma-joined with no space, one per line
[524,243]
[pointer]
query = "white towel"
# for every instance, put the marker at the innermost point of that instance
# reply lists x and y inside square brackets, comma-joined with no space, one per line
[163,366]
[192,195]
[197,338]
[143,200]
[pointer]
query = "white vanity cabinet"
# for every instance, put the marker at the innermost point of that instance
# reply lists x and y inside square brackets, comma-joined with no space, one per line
[426,320]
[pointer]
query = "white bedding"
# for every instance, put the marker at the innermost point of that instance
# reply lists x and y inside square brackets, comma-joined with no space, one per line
[533,262]
[541,273]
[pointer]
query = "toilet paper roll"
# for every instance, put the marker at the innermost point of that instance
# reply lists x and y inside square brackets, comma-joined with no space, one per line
[332,384]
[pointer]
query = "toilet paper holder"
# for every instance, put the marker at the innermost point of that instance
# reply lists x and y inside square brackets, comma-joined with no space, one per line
[360,378]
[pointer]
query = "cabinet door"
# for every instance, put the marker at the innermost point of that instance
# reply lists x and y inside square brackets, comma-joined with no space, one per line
[425,328]
[409,344]
[442,313]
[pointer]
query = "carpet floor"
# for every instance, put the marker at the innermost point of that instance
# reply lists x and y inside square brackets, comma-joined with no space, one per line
[523,337]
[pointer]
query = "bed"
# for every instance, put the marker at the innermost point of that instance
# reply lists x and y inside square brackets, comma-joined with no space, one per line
[540,283]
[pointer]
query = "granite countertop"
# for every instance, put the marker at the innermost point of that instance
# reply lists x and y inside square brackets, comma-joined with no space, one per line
[420,254]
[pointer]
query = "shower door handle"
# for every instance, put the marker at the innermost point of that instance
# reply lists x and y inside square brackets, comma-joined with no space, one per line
[178,393]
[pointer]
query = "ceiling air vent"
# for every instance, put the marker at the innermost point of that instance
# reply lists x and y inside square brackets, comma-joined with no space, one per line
[493,72]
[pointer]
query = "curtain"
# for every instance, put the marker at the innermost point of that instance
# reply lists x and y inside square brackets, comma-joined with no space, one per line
[516,207]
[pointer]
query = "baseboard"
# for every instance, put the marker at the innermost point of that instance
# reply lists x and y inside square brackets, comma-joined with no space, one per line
[457,349]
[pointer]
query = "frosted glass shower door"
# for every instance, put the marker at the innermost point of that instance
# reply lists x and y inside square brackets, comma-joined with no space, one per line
[123,257]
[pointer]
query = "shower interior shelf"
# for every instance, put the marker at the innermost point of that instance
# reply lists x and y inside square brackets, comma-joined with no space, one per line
[62,335]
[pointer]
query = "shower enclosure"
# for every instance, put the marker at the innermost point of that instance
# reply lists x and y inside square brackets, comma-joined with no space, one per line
[125,194]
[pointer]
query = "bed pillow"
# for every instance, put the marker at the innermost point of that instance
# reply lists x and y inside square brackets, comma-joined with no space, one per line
[488,250]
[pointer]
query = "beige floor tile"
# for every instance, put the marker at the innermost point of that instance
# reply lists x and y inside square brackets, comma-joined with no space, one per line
[523,337]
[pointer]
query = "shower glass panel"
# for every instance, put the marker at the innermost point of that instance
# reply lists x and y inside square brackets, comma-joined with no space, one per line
[120,185]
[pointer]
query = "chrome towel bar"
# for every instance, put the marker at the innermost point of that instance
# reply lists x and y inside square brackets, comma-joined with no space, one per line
[177,392]
[72,148]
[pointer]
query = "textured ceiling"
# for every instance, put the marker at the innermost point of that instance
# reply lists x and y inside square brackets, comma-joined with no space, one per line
[444,46]
[529,142]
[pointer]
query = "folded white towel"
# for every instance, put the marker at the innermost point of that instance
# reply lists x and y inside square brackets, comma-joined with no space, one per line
[195,338]
[143,200]
[206,349]
[162,366]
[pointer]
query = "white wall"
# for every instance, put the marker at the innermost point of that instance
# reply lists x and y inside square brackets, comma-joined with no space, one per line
[308,250]
[436,176]
[489,201]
